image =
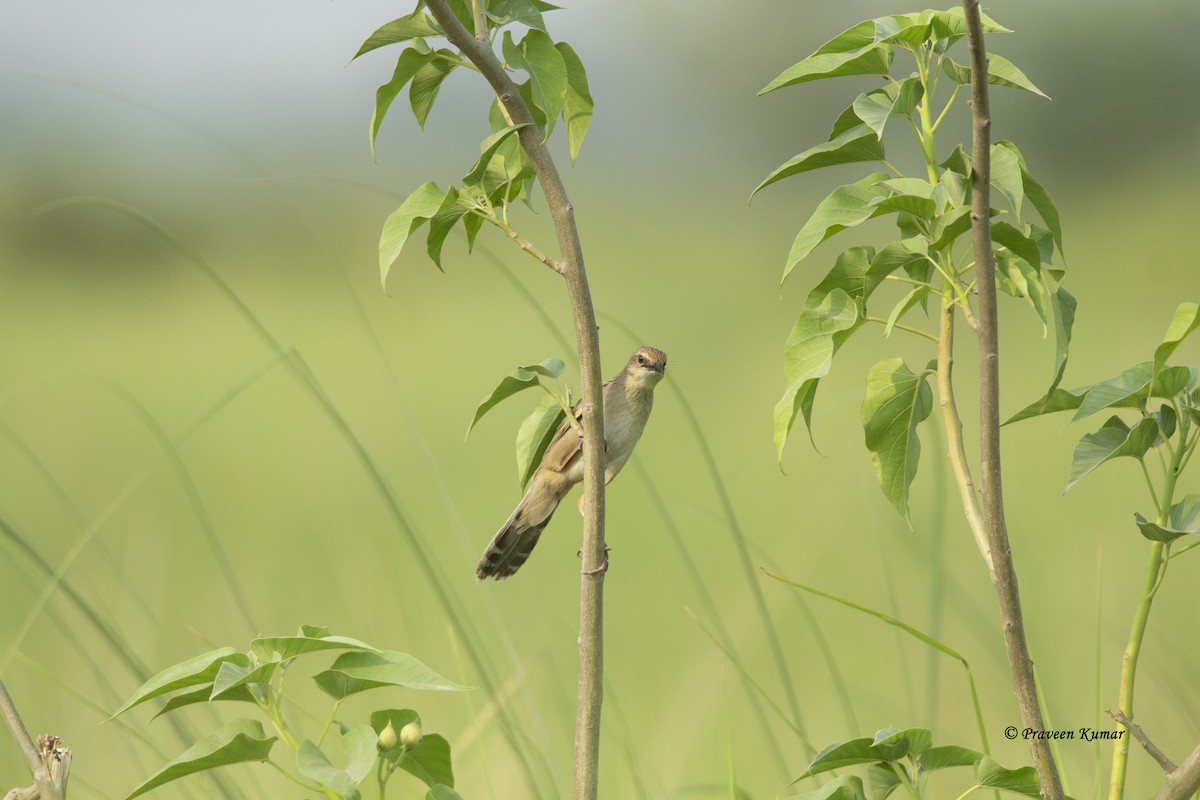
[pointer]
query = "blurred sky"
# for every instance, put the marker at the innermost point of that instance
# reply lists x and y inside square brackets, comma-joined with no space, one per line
[671,79]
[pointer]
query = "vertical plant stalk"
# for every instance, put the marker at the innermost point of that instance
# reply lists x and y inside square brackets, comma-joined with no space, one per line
[594,550]
[1155,573]
[952,423]
[1004,576]
[49,764]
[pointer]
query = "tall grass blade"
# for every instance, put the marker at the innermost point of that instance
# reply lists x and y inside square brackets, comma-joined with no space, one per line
[920,636]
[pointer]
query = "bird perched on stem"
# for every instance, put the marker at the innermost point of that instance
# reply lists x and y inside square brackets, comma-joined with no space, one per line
[628,399]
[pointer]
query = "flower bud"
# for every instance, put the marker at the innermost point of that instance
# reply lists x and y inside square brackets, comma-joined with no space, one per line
[410,735]
[387,737]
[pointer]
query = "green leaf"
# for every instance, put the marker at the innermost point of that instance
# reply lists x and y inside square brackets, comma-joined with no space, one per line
[521,378]
[360,747]
[524,12]
[1006,174]
[453,208]
[202,669]
[851,273]
[234,743]
[839,755]
[234,677]
[875,59]
[906,254]
[1025,280]
[950,225]
[1113,440]
[853,38]
[406,67]
[950,755]
[876,108]
[1182,519]
[487,149]
[1005,234]
[441,792]
[808,355]
[417,209]
[855,145]
[577,102]
[204,695]
[310,639]
[847,787]
[907,303]
[312,763]
[1129,388]
[845,207]
[1055,400]
[1064,306]
[429,761]
[418,23]
[547,70]
[426,82]
[897,401]
[1186,320]
[534,437]
[1001,72]
[882,780]
[919,205]
[356,672]
[1020,781]
[1035,192]
[892,744]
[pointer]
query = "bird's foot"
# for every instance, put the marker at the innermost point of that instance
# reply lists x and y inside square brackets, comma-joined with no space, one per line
[600,570]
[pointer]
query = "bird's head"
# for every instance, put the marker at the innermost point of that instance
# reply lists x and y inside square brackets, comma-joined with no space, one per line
[647,366]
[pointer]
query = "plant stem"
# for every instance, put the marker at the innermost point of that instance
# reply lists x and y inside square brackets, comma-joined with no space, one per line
[594,551]
[1004,576]
[906,328]
[312,787]
[1155,571]
[952,424]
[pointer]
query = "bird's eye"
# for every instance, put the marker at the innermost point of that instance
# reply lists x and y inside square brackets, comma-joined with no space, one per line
[641,359]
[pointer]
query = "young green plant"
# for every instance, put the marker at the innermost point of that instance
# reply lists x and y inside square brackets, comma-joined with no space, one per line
[1162,408]
[521,119]
[393,739]
[931,213]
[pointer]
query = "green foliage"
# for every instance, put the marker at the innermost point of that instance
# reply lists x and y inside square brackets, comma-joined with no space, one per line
[556,88]
[257,676]
[905,759]
[233,743]
[931,215]
[539,427]
[897,401]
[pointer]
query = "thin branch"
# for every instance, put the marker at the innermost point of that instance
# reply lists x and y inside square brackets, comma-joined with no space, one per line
[479,14]
[594,550]
[17,728]
[529,247]
[906,328]
[1184,780]
[1004,575]
[1135,730]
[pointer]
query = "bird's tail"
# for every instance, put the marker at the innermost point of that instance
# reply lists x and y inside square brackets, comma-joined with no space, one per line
[514,542]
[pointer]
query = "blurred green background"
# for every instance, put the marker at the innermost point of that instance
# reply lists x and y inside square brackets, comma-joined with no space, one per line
[242,130]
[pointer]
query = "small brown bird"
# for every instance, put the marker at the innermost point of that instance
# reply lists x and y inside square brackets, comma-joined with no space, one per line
[628,399]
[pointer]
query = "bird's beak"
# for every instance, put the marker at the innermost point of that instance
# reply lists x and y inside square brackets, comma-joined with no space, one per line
[661,367]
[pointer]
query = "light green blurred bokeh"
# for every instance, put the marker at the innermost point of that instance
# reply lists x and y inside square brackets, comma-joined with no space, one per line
[244,134]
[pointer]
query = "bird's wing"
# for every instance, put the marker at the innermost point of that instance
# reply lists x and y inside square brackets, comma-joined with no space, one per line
[567,442]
